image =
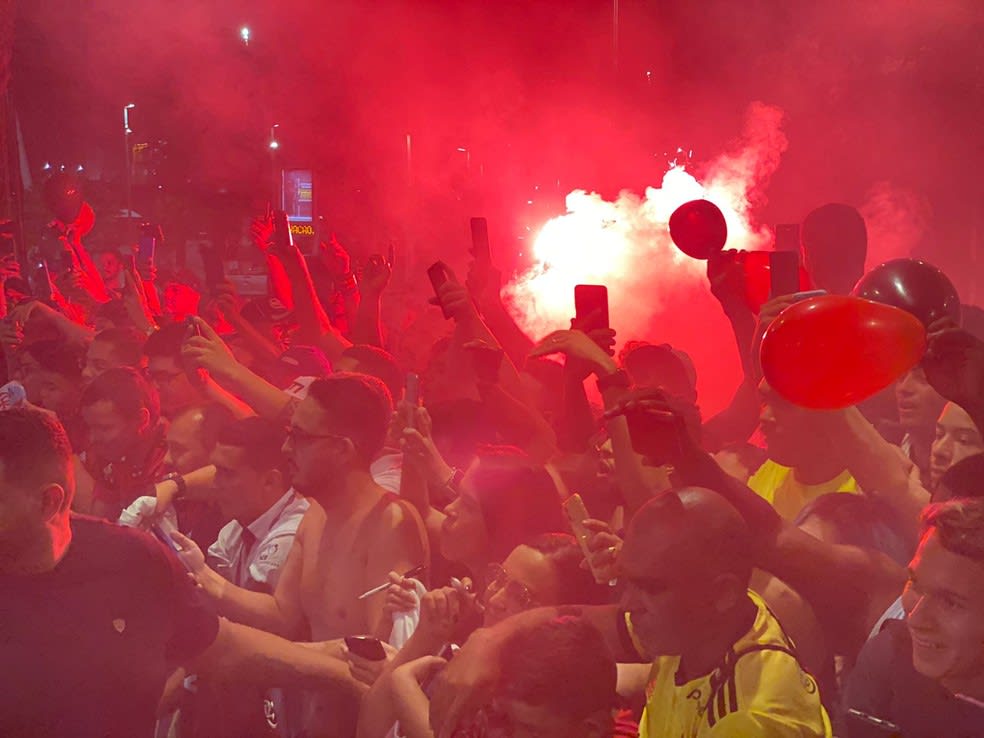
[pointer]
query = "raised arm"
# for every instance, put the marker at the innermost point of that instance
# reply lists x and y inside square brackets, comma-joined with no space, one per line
[367,325]
[210,352]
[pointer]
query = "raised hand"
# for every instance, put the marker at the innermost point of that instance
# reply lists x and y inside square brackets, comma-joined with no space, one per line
[579,346]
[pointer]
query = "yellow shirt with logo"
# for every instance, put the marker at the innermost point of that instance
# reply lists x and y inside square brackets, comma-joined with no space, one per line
[778,485]
[758,691]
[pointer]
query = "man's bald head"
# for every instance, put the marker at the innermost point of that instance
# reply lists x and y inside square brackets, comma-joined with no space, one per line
[692,528]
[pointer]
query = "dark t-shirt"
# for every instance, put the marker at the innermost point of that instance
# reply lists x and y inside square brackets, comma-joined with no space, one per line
[885,685]
[85,648]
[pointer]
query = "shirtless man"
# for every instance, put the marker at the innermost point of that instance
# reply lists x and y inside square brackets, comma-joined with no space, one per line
[353,535]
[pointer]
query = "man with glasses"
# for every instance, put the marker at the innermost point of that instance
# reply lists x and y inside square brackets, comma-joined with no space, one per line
[166,370]
[354,534]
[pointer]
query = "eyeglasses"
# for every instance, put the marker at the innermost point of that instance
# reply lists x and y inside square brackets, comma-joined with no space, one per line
[497,580]
[299,435]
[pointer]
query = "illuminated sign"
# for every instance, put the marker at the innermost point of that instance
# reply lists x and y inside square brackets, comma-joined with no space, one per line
[301,229]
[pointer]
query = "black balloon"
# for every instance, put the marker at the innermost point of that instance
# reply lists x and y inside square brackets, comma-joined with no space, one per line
[914,286]
[698,229]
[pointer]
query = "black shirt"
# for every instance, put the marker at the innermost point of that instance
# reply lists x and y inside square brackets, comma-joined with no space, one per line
[85,648]
[884,684]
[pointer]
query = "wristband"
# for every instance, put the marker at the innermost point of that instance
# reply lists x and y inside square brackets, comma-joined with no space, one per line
[616,380]
[179,481]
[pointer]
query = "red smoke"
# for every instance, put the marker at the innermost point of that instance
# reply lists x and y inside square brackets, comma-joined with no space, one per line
[656,292]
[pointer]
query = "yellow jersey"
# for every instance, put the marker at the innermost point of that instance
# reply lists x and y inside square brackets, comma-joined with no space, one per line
[759,690]
[778,486]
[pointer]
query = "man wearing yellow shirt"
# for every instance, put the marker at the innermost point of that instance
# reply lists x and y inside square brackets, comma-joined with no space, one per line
[722,666]
[803,463]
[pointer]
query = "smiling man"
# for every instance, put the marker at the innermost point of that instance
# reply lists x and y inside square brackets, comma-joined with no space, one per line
[925,676]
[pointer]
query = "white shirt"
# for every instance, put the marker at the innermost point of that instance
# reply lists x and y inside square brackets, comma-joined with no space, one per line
[254,554]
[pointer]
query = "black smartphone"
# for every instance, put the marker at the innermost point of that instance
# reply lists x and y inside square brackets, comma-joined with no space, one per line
[591,300]
[164,537]
[480,249]
[147,249]
[366,647]
[282,238]
[787,237]
[43,286]
[212,264]
[411,395]
[655,435]
[439,275]
[784,273]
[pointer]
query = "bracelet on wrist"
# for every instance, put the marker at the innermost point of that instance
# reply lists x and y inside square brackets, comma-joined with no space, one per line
[618,379]
[179,482]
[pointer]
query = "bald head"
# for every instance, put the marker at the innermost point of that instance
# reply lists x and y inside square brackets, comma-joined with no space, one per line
[693,530]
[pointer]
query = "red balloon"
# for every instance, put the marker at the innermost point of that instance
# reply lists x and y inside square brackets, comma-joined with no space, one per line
[758,278]
[698,229]
[835,351]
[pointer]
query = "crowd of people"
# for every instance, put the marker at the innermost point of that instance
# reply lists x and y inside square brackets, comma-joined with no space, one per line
[246,518]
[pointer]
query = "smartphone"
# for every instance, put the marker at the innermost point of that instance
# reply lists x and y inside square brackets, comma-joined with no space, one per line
[366,647]
[162,531]
[480,249]
[591,300]
[411,395]
[447,652]
[282,239]
[784,273]
[439,275]
[577,513]
[191,323]
[655,434]
[146,249]
[787,237]
[212,263]
[43,285]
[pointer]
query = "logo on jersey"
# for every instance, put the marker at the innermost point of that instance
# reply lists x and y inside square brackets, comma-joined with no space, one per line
[119,625]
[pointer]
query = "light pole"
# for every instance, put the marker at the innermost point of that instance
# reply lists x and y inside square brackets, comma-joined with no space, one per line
[127,153]
[277,185]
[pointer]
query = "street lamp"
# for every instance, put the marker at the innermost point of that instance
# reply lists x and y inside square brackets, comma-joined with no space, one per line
[273,146]
[244,35]
[127,153]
